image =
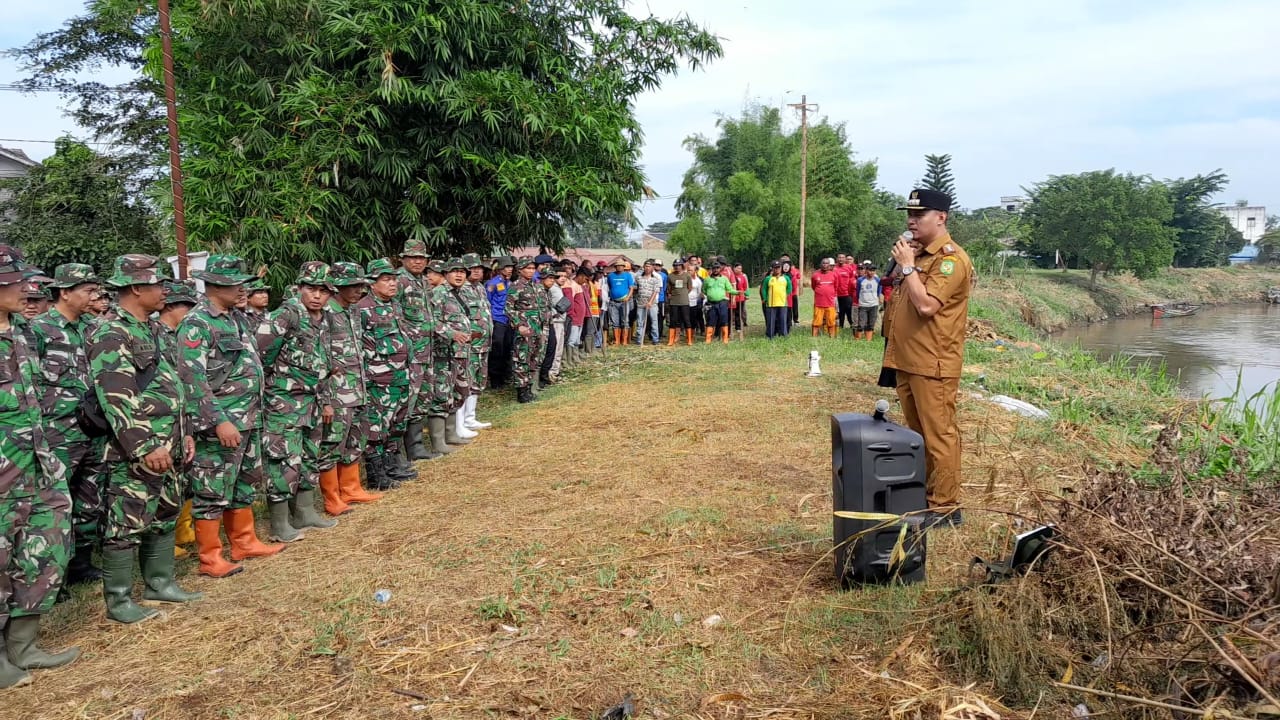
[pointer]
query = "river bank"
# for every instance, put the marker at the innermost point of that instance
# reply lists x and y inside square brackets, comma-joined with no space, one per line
[1031,302]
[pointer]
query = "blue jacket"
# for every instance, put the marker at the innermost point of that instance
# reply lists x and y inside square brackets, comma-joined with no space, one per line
[496,289]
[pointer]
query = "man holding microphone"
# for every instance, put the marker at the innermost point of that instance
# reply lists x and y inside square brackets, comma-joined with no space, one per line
[925,343]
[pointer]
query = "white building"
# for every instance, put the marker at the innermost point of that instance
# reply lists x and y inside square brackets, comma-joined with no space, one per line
[1012,203]
[13,164]
[1250,220]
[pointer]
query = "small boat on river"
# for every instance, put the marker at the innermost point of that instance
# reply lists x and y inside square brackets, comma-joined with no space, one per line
[1174,309]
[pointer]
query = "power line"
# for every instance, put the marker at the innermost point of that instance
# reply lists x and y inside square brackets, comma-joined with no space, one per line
[51,142]
[19,88]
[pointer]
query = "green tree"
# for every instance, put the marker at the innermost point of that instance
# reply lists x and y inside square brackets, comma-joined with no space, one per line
[1204,237]
[129,113]
[984,233]
[75,208]
[664,226]
[326,129]
[937,175]
[1104,221]
[741,196]
[606,230]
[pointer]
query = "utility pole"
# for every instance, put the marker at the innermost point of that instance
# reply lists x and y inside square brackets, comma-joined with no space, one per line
[175,158]
[804,107]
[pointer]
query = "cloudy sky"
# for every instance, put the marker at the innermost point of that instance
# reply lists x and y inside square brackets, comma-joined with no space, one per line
[1013,90]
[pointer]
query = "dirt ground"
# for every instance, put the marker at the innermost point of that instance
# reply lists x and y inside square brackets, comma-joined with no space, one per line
[659,526]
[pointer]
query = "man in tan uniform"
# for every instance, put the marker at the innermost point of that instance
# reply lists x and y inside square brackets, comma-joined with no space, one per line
[926,322]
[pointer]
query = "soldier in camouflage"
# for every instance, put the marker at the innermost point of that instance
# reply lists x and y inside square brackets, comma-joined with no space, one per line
[477,301]
[257,299]
[179,297]
[38,300]
[294,345]
[61,339]
[420,325]
[343,442]
[29,573]
[451,348]
[524,312]
[134,372]
[387,352]
[221,367]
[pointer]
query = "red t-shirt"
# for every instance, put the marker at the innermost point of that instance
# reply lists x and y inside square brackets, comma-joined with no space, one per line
[844,280]
[578,308]
[795,282]
[824,289]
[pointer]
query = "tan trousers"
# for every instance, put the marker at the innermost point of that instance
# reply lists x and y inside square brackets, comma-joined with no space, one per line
[929,406]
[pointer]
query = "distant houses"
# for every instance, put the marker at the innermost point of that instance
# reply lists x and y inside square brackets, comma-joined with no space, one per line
[13,164]
[1251,221]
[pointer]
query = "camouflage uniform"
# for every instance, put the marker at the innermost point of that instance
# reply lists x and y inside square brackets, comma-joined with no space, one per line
[35,524]
[343,441]
[450,384]
[60,346]
[387,352]
[139,501]
[419,323]
[477,301]
[295,358]
[221,367]
[525,301]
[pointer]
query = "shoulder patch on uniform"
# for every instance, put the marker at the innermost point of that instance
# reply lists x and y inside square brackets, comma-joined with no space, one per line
[948,248]
[948,266]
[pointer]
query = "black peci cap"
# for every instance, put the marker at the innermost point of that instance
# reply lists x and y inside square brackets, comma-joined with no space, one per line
[925,199]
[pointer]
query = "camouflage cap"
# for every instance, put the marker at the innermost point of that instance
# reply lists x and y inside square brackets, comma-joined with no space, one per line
[224,270]
[69,275]
[257,285]
[378,268]
[454,264]
[313,272]
[35,291]
[472,260]
[12,268]
[523,263]
[180,291]
[346,274]
[436,266]
[137,269]
[414,248]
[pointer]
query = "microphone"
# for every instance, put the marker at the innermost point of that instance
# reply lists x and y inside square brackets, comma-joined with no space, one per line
[893,264]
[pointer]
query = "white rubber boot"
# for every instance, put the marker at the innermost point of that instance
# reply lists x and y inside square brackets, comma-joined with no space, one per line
[471,422]
[460,425]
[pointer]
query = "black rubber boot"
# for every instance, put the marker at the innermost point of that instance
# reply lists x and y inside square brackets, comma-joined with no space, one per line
[376,472]
[81,568]
[398,468]
[524,395]
[413,445]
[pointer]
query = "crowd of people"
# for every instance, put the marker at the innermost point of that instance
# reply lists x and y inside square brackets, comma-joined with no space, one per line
[140,414]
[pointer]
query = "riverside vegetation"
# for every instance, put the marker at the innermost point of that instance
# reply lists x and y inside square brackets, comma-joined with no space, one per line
[661,526]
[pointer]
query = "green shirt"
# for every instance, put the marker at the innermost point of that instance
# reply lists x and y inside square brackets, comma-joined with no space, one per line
[717,288]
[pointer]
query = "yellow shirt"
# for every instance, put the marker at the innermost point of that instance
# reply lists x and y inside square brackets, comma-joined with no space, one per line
[776,291]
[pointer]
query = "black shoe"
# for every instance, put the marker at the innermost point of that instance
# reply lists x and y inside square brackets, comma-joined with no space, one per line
[941,519]
[524,395]
[81,568]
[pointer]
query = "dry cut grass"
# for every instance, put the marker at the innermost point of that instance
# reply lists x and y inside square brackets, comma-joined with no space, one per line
[660,527]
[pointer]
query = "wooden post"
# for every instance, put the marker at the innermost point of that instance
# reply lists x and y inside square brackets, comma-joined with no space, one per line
[804,107]
[175,158]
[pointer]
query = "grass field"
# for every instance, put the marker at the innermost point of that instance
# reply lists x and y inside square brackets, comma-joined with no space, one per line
[658,524]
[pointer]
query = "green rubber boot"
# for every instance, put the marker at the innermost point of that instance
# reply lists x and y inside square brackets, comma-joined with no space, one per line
[282,530]
[11,675]
[20,643]
[156,558]
[303,513]
[117,588]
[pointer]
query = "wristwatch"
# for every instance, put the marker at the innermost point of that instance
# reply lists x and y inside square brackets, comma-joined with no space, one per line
[907,270]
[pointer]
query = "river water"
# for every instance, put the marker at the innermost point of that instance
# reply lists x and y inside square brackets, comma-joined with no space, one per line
[1206,351]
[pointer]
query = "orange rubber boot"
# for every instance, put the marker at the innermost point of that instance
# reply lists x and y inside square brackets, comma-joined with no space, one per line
[211,561]
[349,485]
[688,337]
[333,503]
[724,335]
[671,338]
[243,536]
[709,332]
